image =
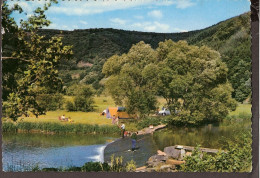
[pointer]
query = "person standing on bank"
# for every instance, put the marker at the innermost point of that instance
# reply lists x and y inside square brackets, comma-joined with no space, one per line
[123,130]
[134,138]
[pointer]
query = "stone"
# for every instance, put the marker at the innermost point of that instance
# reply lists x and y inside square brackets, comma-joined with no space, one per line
[159,152]
[188,153]
[182,154]
[174,162]
[155,160]
[171,151]
[165,167]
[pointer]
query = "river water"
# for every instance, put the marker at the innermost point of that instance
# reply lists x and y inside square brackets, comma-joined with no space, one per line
[21,152]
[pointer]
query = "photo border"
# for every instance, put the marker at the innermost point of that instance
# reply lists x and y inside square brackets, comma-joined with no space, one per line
[255,128]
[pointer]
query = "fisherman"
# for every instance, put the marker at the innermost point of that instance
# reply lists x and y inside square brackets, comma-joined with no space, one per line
[133,138]
[123,130]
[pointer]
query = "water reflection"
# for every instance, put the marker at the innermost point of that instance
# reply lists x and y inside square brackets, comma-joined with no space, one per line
[23,151]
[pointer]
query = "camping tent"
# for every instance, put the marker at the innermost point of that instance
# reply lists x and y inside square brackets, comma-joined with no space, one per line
[117,111]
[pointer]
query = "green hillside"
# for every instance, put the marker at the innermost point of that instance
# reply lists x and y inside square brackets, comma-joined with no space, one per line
[233,40]
[92,47]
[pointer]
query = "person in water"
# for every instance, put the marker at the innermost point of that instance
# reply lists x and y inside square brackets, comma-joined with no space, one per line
[134,138]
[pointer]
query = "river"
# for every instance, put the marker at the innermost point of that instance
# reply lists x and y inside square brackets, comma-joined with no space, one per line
[21,152]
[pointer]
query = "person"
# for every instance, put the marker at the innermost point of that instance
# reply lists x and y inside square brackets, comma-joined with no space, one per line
[113,119]
[123,130]
[133,138]
[117,120]
[63,117]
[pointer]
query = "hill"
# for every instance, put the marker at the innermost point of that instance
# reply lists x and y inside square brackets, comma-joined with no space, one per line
[92,47]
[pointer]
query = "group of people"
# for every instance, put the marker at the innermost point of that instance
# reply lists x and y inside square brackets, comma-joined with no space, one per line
[63,118]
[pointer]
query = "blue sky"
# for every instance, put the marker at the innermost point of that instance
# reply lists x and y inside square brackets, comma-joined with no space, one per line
[139,15]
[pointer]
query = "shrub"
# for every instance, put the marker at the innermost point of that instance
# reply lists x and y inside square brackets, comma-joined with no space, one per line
[92,166]
[70,106]
[148,121]
[238,157]
[50,101]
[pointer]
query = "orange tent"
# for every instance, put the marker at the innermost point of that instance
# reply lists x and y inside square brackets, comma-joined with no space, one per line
[118,112]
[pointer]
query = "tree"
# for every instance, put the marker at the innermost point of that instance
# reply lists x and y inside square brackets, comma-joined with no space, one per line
[131,79]
[82,99]
[193,80]
[36,59]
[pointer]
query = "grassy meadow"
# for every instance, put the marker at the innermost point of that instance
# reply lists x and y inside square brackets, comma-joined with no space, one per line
[95,118]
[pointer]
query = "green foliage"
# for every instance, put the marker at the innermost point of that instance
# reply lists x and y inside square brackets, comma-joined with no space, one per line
[130,166]
[12,108]
[50,127]
[233,40]
[92,167]
[83,98]
[69,106]
[36,60]
[131,79]
[52,102]
[116,164]
[146,122]
[9,127]
[238,157]
[193,80]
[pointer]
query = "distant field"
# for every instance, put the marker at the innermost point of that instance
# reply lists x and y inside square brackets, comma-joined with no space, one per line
[102,103]
[242,108]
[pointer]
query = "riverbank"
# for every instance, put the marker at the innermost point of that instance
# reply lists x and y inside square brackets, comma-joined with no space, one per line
[58,128]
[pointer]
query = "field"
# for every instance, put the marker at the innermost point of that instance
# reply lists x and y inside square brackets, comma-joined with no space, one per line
[102,103]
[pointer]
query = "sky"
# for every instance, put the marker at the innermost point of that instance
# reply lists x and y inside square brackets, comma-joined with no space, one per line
[163,16]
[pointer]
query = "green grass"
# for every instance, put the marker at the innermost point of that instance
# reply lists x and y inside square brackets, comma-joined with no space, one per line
[242,108]
[94,118]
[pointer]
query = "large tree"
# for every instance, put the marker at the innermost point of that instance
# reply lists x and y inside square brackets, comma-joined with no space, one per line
[193,80]
[36,61]
[131,79]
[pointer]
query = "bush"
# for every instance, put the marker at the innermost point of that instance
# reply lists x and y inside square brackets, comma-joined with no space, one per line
[51,102]
[238,157]
[70,106]
[148,121]
[92,166]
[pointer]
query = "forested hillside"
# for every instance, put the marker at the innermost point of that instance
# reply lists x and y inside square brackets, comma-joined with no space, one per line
[233,40]
[92,47]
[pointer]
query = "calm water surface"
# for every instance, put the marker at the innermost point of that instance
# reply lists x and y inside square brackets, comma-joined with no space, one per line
[23,151]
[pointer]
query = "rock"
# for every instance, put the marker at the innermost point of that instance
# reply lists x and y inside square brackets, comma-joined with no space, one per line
[141,168]
[171,151]
[174,162]
[159,152]
[182,154]
[153,161]
[166,167]
[188,153]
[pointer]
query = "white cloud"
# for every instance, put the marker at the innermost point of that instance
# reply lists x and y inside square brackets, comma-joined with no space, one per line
[179,30]
[183,4]
[83,22]
[94,7]
[155,14]
[152,27]
[118,21]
